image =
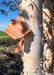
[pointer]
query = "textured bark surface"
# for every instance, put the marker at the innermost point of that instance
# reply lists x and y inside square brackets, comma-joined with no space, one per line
[48,47]
[32,13]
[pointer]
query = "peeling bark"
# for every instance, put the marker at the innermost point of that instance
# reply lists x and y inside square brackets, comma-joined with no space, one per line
[32,13]
[48,47]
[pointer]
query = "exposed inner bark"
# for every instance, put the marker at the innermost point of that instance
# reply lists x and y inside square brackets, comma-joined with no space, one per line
[32,13]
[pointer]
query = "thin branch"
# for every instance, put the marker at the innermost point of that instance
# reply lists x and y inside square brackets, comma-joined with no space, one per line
[16,4]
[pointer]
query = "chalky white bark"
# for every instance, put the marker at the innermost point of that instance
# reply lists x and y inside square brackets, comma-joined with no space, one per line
[32,13]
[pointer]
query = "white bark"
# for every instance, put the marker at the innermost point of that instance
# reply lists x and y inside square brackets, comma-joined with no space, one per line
[32,42]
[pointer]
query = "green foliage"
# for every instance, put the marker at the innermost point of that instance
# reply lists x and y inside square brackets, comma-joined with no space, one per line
[3,35]
[1,47]
[9,5]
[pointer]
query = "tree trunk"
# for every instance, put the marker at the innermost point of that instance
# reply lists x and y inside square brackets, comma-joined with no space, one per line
[48,47]
[32,13]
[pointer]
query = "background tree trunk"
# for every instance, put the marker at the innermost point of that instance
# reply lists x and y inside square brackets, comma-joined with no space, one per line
[48,47]
[32,13]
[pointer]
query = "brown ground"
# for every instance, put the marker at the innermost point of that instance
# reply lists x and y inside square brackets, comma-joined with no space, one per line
[10,63]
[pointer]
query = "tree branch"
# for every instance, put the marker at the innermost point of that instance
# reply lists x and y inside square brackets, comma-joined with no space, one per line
[16,4]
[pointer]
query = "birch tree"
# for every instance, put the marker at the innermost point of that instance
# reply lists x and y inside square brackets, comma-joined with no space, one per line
[32,42]
[31,11]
